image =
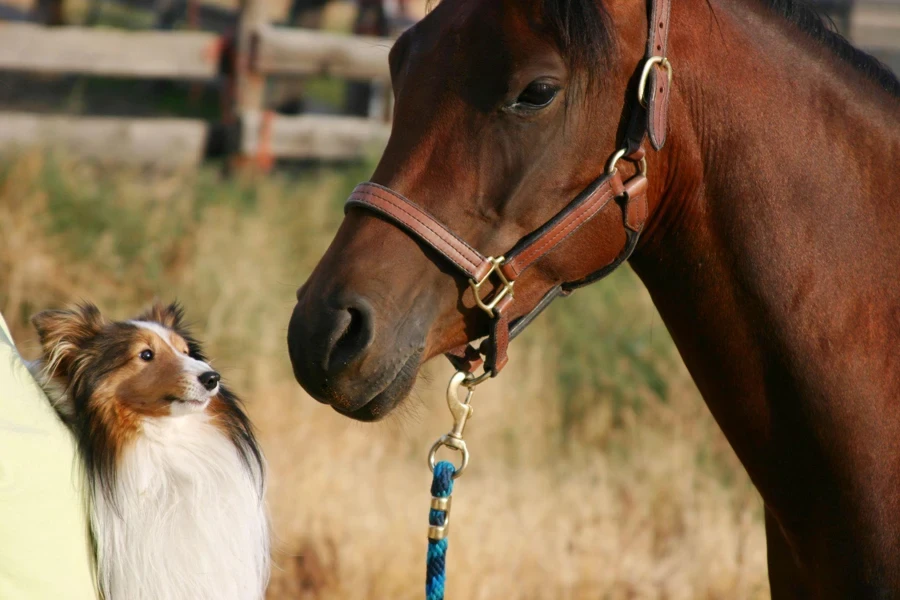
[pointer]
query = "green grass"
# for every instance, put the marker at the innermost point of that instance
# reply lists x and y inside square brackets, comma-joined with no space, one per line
[608,344]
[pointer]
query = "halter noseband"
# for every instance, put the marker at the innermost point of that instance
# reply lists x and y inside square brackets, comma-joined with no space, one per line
[648,119]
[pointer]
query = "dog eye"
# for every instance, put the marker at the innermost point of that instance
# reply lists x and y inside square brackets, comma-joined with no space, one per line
[146,355]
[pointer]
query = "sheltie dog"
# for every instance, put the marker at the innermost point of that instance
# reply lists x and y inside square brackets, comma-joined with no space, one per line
[175,476]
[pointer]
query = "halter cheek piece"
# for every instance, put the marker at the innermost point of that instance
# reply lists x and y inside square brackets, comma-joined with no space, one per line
[648,116]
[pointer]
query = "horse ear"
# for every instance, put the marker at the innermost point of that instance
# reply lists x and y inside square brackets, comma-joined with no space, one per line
[63,333]
[171,315]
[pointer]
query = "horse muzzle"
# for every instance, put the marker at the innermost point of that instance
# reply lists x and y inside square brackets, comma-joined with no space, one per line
[340,357]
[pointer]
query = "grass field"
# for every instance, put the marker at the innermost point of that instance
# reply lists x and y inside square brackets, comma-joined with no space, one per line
[596,469]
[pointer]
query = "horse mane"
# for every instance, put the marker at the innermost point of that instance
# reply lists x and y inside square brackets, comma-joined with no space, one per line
[805,16]
[581,29]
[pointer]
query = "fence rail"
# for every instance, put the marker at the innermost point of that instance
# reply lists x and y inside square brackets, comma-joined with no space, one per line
[876,27]
[241,65]
[282,51]
[270,135]
[165,143]
[108,52]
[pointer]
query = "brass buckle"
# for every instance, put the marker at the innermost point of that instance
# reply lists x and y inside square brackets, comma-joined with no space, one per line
[488,306]
[664,63]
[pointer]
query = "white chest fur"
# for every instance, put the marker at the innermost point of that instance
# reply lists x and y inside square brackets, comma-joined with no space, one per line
[188,521]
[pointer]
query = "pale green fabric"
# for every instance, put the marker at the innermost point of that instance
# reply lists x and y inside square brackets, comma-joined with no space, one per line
[45,550]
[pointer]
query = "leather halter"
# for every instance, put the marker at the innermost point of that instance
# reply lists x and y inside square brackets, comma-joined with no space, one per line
[647,120]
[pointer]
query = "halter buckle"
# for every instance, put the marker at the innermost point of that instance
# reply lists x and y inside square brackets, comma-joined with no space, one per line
[664,63]
[489,305]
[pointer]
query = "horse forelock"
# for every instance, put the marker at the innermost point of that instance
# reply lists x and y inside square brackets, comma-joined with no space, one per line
[582,30]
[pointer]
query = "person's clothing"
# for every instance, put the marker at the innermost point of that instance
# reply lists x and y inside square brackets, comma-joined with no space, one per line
[45,546]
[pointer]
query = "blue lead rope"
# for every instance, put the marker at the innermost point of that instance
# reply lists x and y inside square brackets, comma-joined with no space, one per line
[435,573]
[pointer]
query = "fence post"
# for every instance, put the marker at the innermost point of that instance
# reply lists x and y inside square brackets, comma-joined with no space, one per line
[249,82]
[49,12]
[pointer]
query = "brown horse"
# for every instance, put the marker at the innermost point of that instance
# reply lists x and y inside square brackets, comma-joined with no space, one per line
[770,249]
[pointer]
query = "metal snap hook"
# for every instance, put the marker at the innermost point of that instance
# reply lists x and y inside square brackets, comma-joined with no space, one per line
[461,411]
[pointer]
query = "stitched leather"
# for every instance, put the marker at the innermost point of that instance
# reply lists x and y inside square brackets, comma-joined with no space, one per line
[389,203]
[560,227]
[658,36]
[657,116]
[497,342]
[658,82]
[636,208]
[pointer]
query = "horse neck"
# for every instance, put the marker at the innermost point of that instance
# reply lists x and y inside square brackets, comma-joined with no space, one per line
[770,240]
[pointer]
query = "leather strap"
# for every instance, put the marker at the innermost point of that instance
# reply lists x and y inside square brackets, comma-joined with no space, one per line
[658,36]
[634,215]
[648,120]
[651,119]
[519,325]
[581,210]
[418,221]
[658,81]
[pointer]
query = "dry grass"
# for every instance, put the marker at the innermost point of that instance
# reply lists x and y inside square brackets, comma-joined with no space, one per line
[596,470]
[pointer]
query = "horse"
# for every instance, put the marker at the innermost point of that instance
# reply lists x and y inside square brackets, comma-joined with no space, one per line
[764,227]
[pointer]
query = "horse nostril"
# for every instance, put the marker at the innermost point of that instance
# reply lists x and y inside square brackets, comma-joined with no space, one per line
[209,380]
[328,337]
[357,323]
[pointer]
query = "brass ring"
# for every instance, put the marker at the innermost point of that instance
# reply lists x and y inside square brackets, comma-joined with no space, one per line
[619,155]
[471,381]
[460,446]
[611,165]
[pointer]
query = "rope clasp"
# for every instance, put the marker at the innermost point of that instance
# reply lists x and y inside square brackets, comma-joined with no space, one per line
[461,411]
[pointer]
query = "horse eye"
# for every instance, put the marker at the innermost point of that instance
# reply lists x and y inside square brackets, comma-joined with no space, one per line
[538,94]
[146,355]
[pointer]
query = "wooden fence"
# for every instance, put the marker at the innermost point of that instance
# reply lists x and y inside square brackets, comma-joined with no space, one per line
[264,51]
[240,63]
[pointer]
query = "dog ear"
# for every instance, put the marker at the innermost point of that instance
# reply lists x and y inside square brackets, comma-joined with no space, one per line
[171,315]
[63,333]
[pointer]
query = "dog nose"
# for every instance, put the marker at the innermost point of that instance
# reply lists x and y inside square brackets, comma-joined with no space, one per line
[209,380]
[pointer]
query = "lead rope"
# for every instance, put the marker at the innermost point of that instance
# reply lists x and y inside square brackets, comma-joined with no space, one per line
[438,519]
[442,483]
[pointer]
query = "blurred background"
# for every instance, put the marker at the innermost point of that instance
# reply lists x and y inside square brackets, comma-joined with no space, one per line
[202,151]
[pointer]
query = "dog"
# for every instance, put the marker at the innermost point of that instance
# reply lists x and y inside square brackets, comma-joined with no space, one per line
[175,475]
